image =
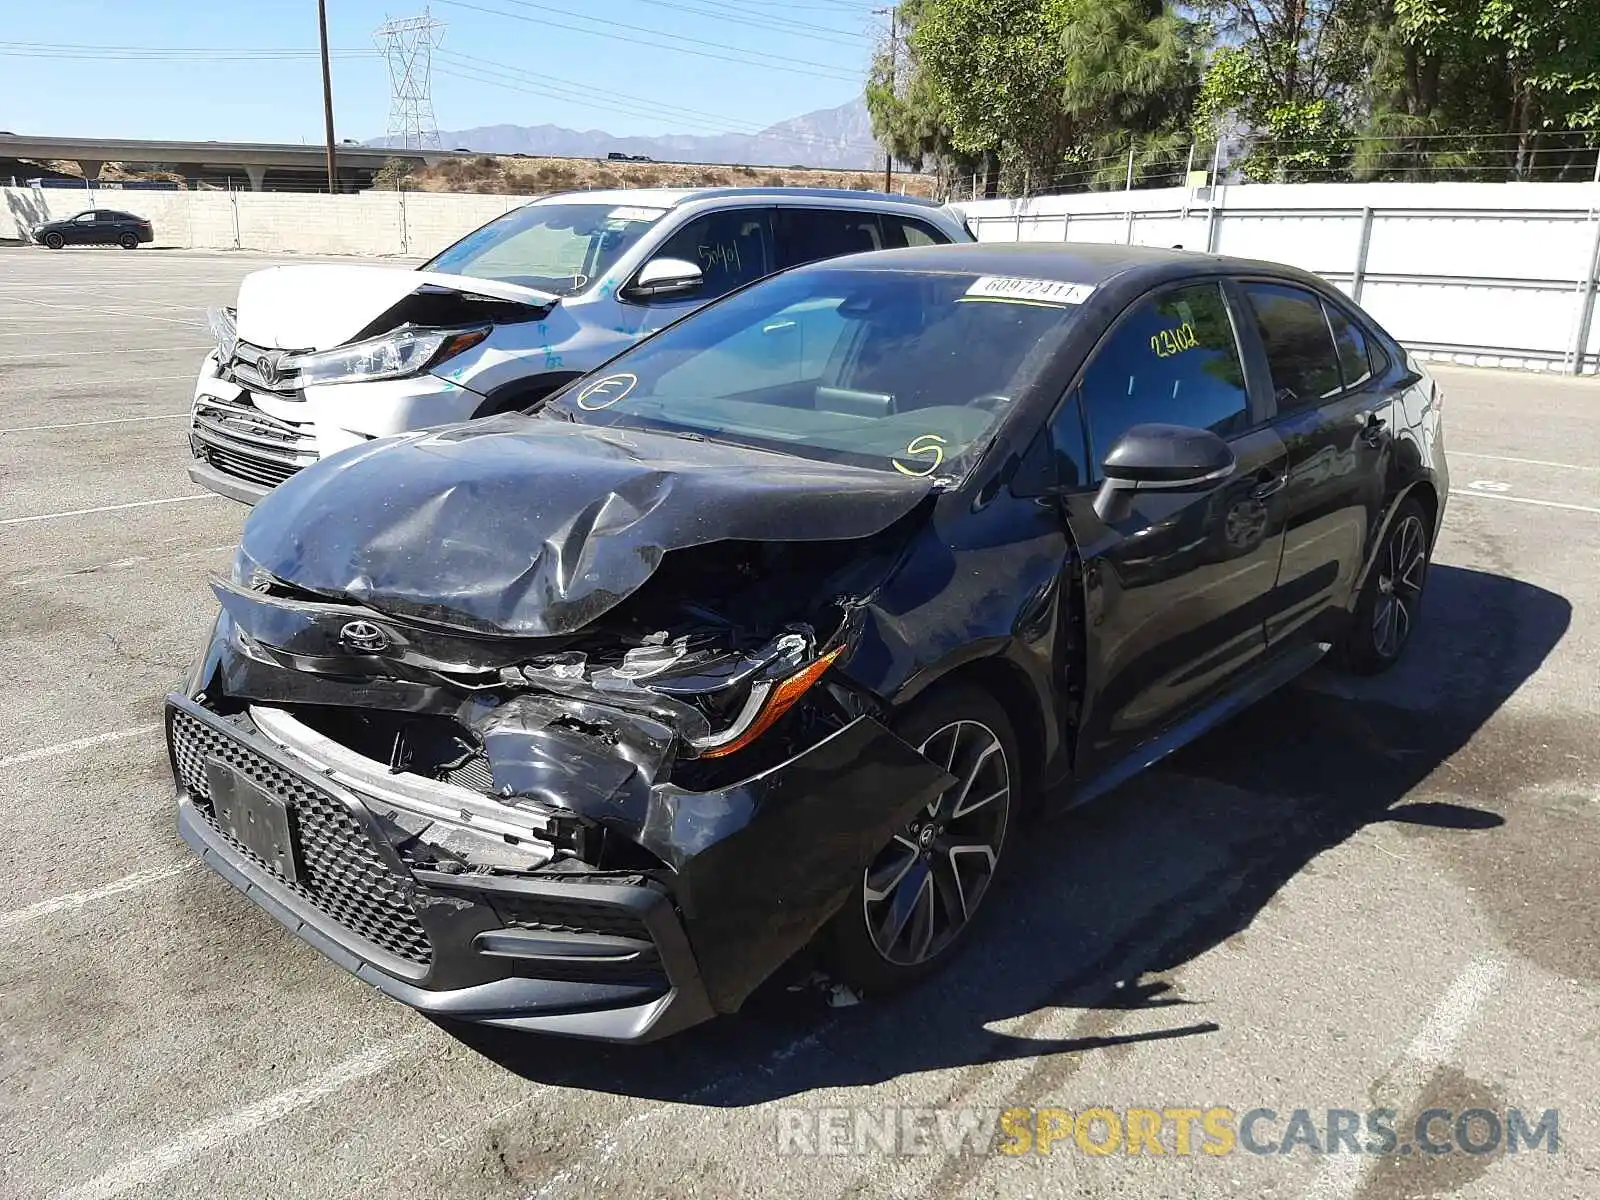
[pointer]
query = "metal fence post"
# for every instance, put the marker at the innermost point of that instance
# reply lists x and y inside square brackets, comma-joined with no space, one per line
[405,229]
[1580,339]
[1127,195]
[1360,276]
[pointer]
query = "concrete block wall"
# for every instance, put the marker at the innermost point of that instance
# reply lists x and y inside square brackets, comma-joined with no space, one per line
[370,224]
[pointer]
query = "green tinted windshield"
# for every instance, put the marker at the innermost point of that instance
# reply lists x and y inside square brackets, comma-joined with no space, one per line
[553,247]
[901,370]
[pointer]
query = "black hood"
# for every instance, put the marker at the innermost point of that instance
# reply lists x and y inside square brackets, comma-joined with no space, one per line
[532,527]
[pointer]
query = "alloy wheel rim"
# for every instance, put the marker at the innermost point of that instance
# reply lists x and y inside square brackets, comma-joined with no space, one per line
[1400,581]
[923,888]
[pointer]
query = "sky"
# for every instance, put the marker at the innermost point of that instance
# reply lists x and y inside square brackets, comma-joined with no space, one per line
[247,70]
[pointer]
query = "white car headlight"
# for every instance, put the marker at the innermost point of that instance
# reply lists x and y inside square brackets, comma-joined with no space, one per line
[392,356]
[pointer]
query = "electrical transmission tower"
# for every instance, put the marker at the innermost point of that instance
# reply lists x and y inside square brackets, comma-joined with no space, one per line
[407,43]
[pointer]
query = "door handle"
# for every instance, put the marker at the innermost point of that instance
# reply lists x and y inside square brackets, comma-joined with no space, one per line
[1372,429]
[1270,485]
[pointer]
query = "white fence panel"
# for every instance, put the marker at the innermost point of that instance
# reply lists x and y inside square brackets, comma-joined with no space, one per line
[1488,273]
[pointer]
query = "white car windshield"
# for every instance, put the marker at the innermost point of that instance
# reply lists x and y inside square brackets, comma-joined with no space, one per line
[900,370]
[557,248]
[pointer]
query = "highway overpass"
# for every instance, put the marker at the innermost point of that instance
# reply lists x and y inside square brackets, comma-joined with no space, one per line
[258,166]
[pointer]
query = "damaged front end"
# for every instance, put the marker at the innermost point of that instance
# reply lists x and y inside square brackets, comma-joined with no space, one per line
[611,831]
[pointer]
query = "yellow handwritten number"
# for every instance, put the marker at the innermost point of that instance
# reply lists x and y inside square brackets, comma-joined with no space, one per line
[1167,342]
[928,443]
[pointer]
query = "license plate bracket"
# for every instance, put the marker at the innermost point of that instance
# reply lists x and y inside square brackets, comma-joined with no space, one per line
[254,818]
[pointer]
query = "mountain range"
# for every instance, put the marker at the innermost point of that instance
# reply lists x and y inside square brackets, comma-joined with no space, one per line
[830,137]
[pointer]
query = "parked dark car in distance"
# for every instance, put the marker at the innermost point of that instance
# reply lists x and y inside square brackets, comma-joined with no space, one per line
[96,227]
[764,634]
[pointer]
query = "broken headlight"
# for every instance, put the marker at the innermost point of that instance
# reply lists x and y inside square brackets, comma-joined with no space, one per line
[773,692]
[402,352]
[225,331]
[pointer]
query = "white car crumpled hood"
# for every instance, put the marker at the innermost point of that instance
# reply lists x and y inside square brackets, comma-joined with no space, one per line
[318,306]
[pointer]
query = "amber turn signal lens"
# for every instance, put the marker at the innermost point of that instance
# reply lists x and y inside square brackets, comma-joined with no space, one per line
[781,700]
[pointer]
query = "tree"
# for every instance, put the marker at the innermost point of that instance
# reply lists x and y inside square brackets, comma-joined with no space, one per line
[908,118]
[1052,82]
[1288,75]
[1487,87]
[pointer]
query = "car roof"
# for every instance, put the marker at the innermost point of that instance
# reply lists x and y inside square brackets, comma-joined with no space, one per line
[1067,262]
[673,197]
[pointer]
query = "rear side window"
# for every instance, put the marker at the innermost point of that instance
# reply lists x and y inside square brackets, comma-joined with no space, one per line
[811,234]
[1299,345]
[1173,360]
[904,231]
[1351,344]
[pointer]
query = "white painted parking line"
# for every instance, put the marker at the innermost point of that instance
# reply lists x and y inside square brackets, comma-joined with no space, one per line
[1433,1047]
[59,904]
[191,322]
[1480,495]
[156,1164]
[103,421]
[5,358]
[83,743]
[84,512]
[1527,462]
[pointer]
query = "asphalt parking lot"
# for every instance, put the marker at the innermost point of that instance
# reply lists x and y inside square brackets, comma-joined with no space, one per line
[1356,896]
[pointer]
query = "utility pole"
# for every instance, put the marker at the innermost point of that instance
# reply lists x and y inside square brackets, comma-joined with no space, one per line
[327,95]
[894,61]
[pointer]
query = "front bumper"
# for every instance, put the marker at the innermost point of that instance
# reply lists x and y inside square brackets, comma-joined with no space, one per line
[602,960]
[246,442]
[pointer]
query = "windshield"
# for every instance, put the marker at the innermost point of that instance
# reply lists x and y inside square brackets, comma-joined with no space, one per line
[553,247]
[900,370]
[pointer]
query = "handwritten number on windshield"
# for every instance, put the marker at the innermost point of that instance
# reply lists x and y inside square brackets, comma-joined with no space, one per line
[922,447]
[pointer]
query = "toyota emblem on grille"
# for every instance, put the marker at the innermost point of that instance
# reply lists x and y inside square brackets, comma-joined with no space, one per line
[363,636]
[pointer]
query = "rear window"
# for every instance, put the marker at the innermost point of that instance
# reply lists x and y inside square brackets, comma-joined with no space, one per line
[900,370]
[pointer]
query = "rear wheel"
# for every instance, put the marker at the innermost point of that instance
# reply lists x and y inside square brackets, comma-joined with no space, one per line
[54,241]
[921,893]
[1391,602]
[128,242]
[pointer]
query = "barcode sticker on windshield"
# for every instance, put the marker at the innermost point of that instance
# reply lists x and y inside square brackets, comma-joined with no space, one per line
[1010,288]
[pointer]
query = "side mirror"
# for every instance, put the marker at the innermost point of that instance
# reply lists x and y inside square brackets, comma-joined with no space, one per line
[1160,458]
[667,277]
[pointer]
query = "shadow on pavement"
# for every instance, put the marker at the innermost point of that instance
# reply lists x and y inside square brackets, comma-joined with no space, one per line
[1135,885]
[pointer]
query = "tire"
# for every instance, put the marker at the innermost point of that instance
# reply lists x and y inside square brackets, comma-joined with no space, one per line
[54,241]
[1390,606]
[925,873]
[128,242]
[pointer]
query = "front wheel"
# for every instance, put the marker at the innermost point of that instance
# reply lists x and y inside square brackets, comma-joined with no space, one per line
[920,894]
[1390,606]
[128,242]
[54,241]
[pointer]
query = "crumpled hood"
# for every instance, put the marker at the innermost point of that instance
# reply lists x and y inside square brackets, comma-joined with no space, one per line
[317,306]
[529,526]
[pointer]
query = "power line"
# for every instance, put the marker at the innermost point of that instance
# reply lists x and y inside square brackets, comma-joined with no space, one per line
[644,106]
[497,79]
[819,33]
[798,66]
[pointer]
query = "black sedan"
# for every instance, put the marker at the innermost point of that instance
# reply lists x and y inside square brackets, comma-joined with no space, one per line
[765,635]
[97,227]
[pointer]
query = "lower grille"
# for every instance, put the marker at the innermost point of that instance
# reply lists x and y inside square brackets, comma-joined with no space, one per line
[552,914]
[344,877]
[238,439]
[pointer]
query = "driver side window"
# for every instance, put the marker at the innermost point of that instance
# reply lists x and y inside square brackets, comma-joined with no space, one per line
[732,248]
[1173,359]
